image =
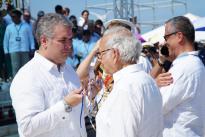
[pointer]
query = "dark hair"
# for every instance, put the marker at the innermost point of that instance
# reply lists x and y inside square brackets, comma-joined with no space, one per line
[99,22]
[67,10]
[72,17]
[184,25]
[58,9]
[40,13]
[16,12]
[84,12]
[86,33]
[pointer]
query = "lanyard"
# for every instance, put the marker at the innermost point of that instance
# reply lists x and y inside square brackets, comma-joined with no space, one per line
[18,29]
[86,46]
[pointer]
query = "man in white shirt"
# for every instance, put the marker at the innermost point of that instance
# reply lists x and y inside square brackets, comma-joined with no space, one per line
[46,93]
[183,100]
[134,106]
[83,20]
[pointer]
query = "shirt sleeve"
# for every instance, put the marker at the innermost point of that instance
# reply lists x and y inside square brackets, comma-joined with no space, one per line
[33,117]
[31,39]
[6,41]
[182,89]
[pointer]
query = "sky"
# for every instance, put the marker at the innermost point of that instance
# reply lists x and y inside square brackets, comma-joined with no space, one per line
[162,14]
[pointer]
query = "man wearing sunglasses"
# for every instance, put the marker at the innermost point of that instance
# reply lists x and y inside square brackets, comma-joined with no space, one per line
[183,100]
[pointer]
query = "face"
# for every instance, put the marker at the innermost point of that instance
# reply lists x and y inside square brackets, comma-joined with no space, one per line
[86,38]
[85,15]
[27,16]
[106,57]
[15,18]
[171,41]
[60,46]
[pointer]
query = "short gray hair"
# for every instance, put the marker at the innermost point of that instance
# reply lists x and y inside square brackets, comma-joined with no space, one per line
[47,23]
[184,25]
[122,39]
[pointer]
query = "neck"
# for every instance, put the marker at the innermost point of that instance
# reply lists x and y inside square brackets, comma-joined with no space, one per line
[185,48]
[17,23]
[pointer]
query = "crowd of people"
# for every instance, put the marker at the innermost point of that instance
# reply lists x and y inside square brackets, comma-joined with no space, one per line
[18,41]
[83,78]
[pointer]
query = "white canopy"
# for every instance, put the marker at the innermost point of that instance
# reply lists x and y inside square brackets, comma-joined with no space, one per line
[157,34]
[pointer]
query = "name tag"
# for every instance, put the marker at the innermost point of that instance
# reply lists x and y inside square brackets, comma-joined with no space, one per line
[18,38]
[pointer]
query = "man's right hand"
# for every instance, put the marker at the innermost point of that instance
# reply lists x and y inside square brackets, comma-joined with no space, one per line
[74,97]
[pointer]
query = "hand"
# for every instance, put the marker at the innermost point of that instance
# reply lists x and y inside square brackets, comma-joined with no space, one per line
[96,47]
[74,97]
[94,86]
[164,79]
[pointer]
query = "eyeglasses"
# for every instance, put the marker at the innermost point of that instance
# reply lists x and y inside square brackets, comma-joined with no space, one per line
[168,35]
[100,54]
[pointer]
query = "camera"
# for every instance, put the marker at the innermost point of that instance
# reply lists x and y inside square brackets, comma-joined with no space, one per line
[164,51]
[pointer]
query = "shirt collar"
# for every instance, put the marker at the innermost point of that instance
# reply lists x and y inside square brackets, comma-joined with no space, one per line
[47,63]
[184,55]
[128,69]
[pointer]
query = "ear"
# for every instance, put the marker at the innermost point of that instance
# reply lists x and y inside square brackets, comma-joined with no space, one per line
[43,41]
[180,37]
[116,55]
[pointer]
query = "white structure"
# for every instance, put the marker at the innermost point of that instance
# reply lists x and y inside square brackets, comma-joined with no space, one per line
[126,9]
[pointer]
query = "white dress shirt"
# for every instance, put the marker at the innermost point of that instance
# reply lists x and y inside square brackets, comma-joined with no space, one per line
[133,108]
[183,101]
[145,63]
[37,94]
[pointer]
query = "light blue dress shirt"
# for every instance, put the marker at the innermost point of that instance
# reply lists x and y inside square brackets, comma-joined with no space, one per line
[82,49]
[18,38]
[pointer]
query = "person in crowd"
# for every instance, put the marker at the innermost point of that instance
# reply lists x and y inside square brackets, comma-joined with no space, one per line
[72,60]
[83,47]
[27,19]
[40,14]
[8,18]
[83,20]
[50,90]
[18,42]
[134,106]
[3,69]
[99,28]
[94,36]
[183,96]
[59,9]
[66,12]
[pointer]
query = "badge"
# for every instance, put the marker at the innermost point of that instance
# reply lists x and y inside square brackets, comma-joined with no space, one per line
[18,38]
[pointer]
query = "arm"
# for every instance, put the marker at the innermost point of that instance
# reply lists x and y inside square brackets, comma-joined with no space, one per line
[83,68]
[6,41]
[164,79]
[34,117]
[182,89]
[31,39]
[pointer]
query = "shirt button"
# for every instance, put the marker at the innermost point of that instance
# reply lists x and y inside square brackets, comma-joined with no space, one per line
[63,117]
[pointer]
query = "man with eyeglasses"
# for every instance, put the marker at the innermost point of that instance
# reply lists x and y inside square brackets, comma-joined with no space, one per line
[46,93]
[134,106]
[183,98]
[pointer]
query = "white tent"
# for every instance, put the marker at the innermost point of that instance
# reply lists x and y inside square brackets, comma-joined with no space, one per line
[157,34]
[199,25]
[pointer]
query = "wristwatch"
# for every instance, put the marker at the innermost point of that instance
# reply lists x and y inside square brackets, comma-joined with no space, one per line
[68,108]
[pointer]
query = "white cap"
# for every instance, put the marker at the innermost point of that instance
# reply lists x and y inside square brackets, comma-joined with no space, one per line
[130,24]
